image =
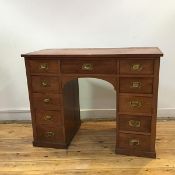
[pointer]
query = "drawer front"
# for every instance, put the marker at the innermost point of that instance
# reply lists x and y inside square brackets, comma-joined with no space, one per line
[46,101]
[136,66]
[88,67]
[44,66]
[136,85]
[135,104]
[48,117]
[45,84]
[134,142]
[46,133]
[135,123]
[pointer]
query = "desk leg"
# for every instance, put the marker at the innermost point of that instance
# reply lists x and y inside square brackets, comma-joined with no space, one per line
[71,109]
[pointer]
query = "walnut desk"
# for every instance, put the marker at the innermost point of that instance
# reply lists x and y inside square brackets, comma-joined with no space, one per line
[53,74]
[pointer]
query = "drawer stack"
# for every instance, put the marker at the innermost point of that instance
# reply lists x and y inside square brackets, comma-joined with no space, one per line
[46,102]
[135,108]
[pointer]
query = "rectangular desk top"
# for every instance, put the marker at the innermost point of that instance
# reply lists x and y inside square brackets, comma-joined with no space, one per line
[148,52]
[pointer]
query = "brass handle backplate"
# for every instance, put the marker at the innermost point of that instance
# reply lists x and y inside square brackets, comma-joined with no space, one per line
[44,66]
[87,66]
[135,104]
[48,117]
[46,100]
[134,142]
[135,84]
[134,123]
[44,83]
[49,134]
[136,67]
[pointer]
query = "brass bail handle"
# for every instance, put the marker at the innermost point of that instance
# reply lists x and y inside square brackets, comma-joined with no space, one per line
[136,67]
[135,104]
[134,142]
[48,117]
[87,66]
[44,66]
[136,84]
[46,100]
[49,134]
[134,123]
[44,83]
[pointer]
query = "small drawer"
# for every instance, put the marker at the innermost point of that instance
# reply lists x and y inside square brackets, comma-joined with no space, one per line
[45,84]
[135,104]
[48,117]
[136,66]
[46,101]
[135,123]
[44,66]
[88,66]
[136,85]
[46,133]
[134,142]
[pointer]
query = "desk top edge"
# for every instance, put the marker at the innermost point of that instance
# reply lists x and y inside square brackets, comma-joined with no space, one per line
[100,52]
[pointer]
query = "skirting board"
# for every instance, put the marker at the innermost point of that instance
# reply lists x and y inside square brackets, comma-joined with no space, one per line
[86,114]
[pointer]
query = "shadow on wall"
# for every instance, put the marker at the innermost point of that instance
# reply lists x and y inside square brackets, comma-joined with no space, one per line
[97,99]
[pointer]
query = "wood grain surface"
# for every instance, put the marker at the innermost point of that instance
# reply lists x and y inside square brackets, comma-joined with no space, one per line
[90,153]
[88,52]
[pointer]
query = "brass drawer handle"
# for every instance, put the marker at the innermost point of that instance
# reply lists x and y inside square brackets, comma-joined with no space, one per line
[49,134]
[134,142]
[136,67]
[44,66]
[134,123]
[87,66]
[135,104]
[46,100]
[48,117]
[44,83]
[136,84]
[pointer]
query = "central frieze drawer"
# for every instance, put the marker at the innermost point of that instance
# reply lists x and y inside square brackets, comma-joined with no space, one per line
[135,104]
[88,66]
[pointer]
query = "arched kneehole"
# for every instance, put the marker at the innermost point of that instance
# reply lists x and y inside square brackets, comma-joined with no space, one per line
[95,98]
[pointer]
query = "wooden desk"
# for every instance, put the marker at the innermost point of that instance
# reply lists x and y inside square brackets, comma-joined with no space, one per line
[54,96]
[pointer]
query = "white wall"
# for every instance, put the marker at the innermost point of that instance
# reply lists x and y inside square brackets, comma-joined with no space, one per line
[30,25]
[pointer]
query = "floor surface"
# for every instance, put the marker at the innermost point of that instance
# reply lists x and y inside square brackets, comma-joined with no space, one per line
[91,153]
